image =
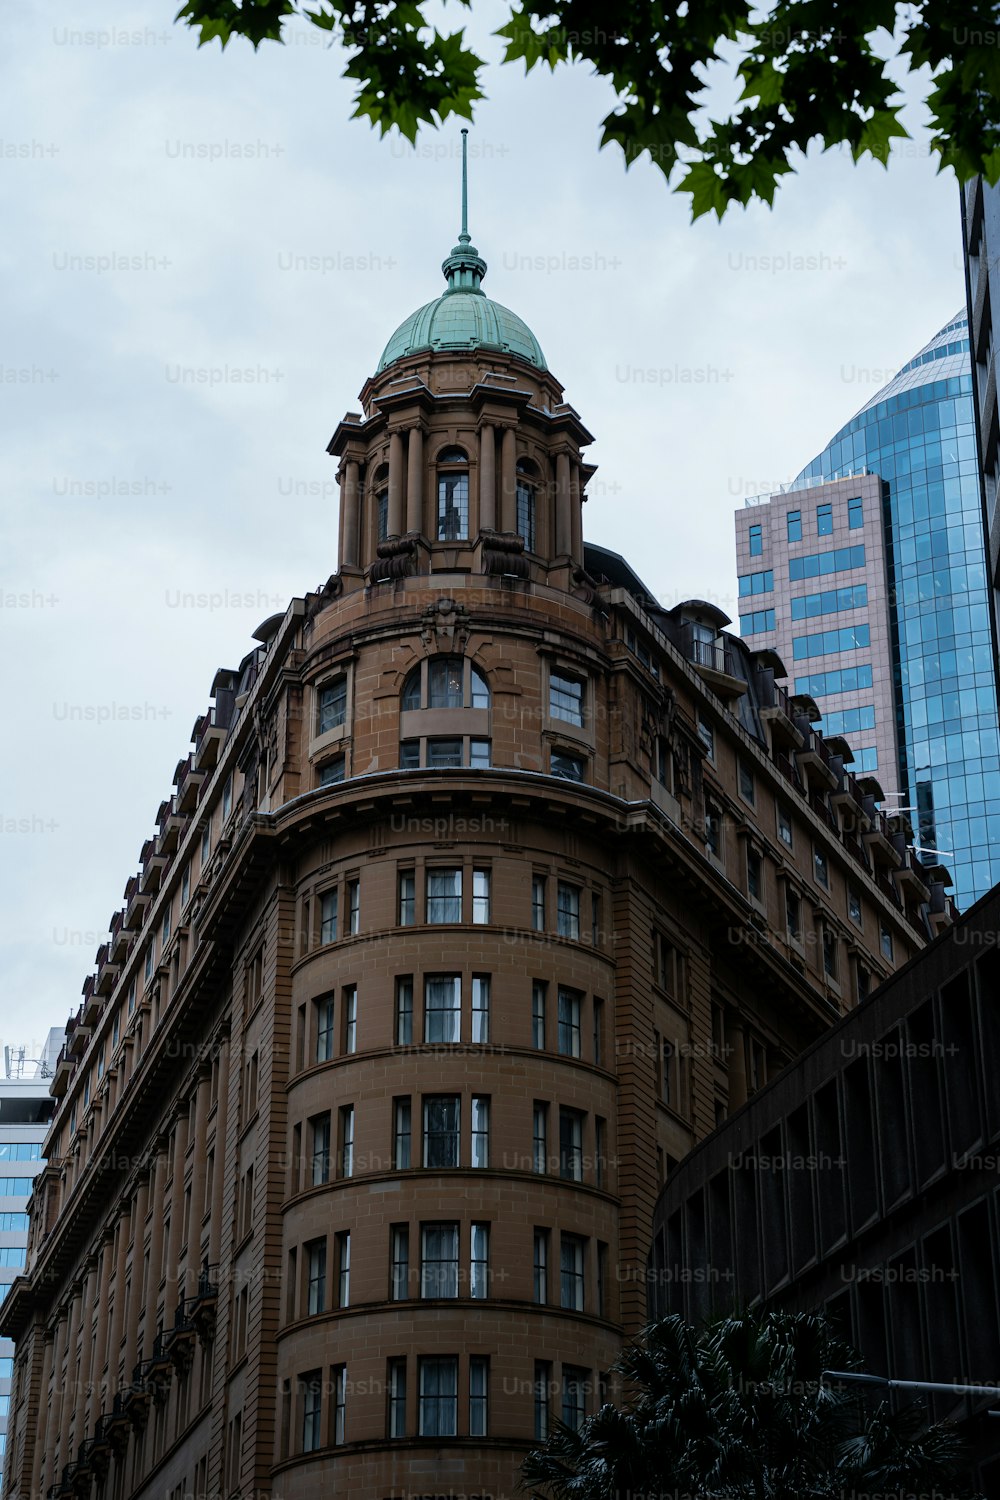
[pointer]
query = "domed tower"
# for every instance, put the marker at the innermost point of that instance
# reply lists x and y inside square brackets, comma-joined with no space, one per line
[487,886]
[465,456]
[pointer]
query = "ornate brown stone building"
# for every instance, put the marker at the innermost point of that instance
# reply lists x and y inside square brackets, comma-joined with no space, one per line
[487,888]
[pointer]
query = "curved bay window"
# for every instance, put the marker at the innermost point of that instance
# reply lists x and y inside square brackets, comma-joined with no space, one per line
[527,491]
[452,495]
[429,735]
[445,682]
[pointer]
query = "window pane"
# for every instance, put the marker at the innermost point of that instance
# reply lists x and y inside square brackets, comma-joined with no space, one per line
[569,1023]
[442,1008]
[481,1008]
[453,507]
[439,1260]
[444,895]
[444,753]
[568,910]
[438,1397]
[566,699]
[568,767]
[441,1124]
[332,705]
[480,1131]
[445,682]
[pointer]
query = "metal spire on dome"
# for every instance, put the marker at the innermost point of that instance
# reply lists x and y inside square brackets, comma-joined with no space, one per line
[465,268]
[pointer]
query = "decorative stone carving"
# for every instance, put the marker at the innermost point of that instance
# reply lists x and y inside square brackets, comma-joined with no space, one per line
[395,558]
[503,553]
[445,623]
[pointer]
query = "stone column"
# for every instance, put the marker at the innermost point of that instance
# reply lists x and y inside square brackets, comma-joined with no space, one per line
[199,1207]
[219,1180]
[487,479]
[118,1302]
[38,1438]
[135,1307]
[395,484]
[564,528]
[415,481]
[71,1398]
[508,481]
[51,1443]
[173,1291]
[156,1249]
[350,509]
[576,515]
[82,1404]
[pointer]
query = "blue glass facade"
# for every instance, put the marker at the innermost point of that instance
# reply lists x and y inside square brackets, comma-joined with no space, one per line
[918,435]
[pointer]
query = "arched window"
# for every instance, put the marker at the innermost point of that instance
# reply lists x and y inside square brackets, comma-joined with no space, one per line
[453,495]
[445,682]
[527,485]
[381,500]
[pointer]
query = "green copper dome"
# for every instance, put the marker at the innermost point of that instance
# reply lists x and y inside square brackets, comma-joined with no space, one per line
[463,317]
[464,320]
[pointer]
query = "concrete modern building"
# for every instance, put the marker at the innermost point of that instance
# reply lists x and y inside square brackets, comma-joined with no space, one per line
[26,1110]
[487,889]
[863,1182]
[863,607]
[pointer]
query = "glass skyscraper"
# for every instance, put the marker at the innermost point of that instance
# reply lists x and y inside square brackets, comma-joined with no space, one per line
[918,435]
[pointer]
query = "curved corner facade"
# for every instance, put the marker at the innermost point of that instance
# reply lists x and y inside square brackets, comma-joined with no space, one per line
[487,889]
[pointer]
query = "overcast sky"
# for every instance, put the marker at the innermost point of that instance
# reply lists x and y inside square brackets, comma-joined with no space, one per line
[167,210]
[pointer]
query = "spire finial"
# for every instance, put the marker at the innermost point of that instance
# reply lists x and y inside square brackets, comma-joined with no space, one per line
[465,268]
[465,185]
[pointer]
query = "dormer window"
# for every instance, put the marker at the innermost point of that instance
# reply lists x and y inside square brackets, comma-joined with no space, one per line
[527,486]
[453,495]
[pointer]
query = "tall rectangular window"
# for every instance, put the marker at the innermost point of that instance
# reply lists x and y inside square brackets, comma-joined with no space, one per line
[794,525]
[332,705]
[481,1008]
[571,1287]
[824,520]
[354,907]
[480,896]
[885,941]
[479,1261]
[453,505]
[855,513]
[350,1000]
[441,1130]
[401,1134]
[442,1008]
[339,1402]
[347,1140]
[538,903]
[602,1279]
[444,895]
[312,1411]
[540,1137]
[438,1397]
[571,1145]
[397,1398]
[399,1262]
[541,1265]
[784,825]
[755,874]
[574,1396]
[829,950]
[320,1149]
[821,868]
[543,1385]
[316,1269]
[404,1012]
[568,910]
[479,1368]
[324,1028]
[480,1130]
[570,1006]
[565,699]
[343,1242]
[756,537]
[538,992]
[328,917]
[439,1260]
[407,898]
[227,797]
[793,913]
